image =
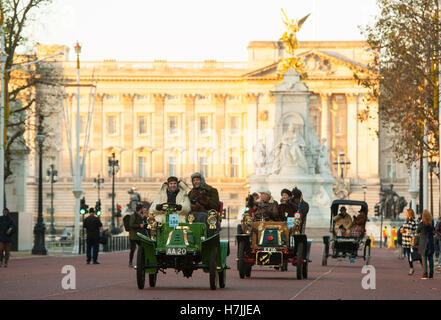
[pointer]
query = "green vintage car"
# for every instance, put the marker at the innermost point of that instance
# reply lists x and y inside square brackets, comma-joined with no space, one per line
[184,247]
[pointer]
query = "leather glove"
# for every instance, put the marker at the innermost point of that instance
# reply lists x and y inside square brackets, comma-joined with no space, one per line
[178,207]
[159,207]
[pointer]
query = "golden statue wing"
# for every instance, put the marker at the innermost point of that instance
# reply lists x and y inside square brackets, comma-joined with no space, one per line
[301,21]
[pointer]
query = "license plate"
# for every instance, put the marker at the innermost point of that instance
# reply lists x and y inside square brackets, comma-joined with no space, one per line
[176,251]
[269,249]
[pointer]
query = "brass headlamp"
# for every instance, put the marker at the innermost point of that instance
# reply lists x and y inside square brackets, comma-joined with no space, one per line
[212,219]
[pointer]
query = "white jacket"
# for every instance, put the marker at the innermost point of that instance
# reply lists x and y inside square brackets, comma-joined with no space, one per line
[181,198]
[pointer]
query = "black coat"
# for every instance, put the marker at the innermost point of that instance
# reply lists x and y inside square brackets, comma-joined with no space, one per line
[92,224]
[6,223]
[426,245]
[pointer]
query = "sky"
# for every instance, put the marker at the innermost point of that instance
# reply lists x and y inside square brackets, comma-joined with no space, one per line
[190,30]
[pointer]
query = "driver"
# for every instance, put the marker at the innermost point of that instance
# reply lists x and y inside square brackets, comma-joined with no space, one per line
[267,208]
[203,197]
[172,191]
[343,223]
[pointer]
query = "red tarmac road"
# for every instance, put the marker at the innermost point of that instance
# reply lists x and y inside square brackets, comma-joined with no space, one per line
[41,278]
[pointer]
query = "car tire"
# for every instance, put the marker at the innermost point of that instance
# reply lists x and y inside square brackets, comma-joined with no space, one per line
[300,261]
[222,278]
[324,256]
[241,265]
[152,280]
[140,268]
[367,252]
[213,269]
[248,271]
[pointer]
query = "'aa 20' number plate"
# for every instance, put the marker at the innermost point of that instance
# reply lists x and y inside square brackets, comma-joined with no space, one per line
[176,251]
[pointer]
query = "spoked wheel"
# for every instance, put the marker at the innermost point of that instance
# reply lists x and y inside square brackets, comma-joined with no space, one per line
[213,269]
[300,261]
[140,268]
[325,256]
[241,265]
[367,252]
[248,271]
[305,269]
[222,278]
[152,280]
[285,264]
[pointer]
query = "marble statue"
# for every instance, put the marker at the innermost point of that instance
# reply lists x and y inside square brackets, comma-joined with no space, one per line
[323,163]
[260,158]
[289,152]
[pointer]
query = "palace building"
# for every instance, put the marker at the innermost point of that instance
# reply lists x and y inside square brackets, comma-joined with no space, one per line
[163,118]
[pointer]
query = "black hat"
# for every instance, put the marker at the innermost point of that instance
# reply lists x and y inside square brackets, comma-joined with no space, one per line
[92,210]
[289,193]
[296,193]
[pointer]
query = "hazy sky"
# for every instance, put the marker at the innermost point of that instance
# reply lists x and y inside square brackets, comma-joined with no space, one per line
[191,30]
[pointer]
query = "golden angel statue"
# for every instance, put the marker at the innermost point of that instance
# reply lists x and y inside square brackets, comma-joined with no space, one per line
[290,43]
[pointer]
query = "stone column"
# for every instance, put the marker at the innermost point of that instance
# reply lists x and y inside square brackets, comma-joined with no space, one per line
[192,126]
[325,127]
[352,133]
[158,135]
[66,169]
[97,137]
[220,102]
[252,102]
[127,167]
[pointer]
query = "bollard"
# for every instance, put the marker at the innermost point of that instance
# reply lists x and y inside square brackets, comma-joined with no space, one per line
[372,241]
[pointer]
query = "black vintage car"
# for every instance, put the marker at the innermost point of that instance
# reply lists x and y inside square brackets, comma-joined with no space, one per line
[349,244]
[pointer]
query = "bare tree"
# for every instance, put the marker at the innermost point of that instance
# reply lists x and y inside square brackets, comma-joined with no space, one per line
[405,38]
[32,90]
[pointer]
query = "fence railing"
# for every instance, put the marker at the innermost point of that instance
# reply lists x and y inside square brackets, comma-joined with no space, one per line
[117,243]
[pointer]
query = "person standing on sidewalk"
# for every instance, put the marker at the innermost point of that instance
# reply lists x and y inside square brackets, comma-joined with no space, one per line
[92,224]
[385,235]
[400,242]
[136,225]
[409,229]
[7,228]
[438,242]
[426,246]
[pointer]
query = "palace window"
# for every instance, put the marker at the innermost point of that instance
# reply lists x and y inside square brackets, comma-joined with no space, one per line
[391,169]
[173,125]
[172,166]
[111,125]
[203,163]
[203,125]
[142,125]
[234,123]
[83,123]
[339,125]
[234,167]
[141,167]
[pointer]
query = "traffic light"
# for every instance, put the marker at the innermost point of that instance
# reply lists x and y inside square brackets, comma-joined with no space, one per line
[98,208]
[83,206]
[377,210]
[118,210]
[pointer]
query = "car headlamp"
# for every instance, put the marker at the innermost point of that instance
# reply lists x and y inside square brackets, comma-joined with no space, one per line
[212,220]
[191,218]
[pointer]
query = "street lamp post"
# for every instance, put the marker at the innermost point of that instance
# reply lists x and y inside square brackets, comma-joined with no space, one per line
[97,183]
[77,190]
[113,168]
[39,229]
[3,58]
[52,176]
[364,192]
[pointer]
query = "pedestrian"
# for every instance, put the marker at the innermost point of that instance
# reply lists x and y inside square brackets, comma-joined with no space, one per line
[426,246]
[145,216]
[7,228]
[385,235]
[400,243]
[438,242]
[135,225]
[409,229]
[92,224]
[393,234]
